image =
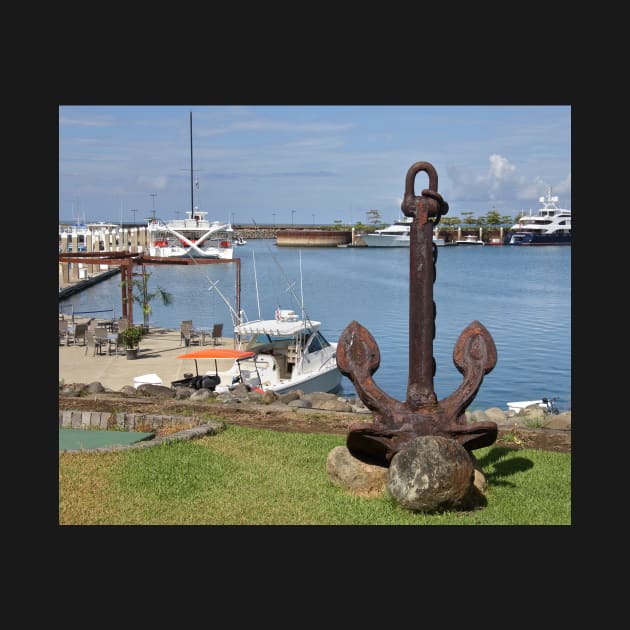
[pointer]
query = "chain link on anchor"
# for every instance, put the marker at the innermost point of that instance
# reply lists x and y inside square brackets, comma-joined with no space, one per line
[358,357]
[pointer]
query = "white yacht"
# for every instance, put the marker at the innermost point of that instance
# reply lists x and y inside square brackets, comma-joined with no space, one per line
[194,236]
[551,226]
[394,235]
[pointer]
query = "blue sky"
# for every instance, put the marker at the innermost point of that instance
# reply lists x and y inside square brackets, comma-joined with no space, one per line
[307,164]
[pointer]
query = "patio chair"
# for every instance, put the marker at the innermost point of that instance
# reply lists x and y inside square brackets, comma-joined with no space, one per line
[217,333]
[79,333]
[122,324]
[107,339]
[94,342]
[63,331]
[187,334]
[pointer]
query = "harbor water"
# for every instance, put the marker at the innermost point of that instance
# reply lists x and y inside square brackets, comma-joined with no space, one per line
[522,295]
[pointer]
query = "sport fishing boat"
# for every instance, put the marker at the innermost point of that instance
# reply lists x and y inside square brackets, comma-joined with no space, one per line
[551,226]
[279,355]
[394,235]
[289,353]
[192,236]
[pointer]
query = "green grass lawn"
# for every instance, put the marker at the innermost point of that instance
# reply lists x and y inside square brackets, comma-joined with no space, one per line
[247,476]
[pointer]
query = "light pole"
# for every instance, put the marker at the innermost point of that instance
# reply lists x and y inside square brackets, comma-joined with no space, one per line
[134,215]
[154,195]
[233,215]
[273,214]
[313,219]
[292,213]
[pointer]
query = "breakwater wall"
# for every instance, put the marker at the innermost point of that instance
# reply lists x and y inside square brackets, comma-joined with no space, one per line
[312,238]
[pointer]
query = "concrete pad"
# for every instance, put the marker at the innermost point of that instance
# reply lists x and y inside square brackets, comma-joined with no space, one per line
[157,355]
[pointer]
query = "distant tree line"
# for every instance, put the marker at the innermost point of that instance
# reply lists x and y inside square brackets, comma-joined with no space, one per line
[492,219]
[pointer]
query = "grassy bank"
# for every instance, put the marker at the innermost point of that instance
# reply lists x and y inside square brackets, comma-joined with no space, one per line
[248,476]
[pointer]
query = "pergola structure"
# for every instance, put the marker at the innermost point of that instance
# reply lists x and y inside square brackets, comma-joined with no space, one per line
[127,260]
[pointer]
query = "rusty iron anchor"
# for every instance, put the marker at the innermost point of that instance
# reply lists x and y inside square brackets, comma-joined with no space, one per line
[395,423]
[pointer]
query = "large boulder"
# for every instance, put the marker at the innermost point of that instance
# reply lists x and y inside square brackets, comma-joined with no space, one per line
[327,401]
[431,473]
[351,473]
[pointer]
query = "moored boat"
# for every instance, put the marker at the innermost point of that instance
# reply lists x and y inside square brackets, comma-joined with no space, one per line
[551,226]
[395,235]
[279,355]
[469,239]
[289,353]
[194,236]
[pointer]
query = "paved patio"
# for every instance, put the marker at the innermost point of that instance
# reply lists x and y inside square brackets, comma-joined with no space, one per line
[158,355]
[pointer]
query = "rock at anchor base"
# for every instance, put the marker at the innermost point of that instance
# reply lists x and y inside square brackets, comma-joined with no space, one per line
[351,473]
[433,473]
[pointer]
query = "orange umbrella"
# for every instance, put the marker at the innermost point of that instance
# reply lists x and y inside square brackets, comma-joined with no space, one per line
[215,353]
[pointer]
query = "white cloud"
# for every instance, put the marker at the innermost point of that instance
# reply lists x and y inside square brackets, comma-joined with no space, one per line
[502,182]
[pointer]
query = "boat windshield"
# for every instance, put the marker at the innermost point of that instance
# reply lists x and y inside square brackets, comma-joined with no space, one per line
[318,342]
[263,342]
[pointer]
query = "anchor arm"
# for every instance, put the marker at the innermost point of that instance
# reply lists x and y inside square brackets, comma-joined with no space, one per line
[358,357]
[474,355]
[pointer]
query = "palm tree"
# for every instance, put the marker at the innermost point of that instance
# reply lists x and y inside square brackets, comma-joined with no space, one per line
[144,297]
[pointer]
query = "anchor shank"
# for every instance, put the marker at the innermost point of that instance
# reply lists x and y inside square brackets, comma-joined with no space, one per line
[421,314]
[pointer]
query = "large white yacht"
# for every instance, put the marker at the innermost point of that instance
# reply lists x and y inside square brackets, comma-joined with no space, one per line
[551,226]
[394,235]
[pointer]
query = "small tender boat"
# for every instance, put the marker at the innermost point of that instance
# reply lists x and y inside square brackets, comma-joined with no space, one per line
[544,403]
[469,239]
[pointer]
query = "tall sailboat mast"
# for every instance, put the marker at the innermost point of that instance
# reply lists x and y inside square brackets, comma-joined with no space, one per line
[191,171]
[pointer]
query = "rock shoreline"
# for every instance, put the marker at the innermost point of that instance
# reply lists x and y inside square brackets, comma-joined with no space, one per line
[297,411]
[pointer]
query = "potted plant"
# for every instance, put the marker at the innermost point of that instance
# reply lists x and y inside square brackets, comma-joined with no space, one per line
[131,338]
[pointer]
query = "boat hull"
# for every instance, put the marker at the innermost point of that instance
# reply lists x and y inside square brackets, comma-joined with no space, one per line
[527,238]
[378,240]
[327,381]
[178,252]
